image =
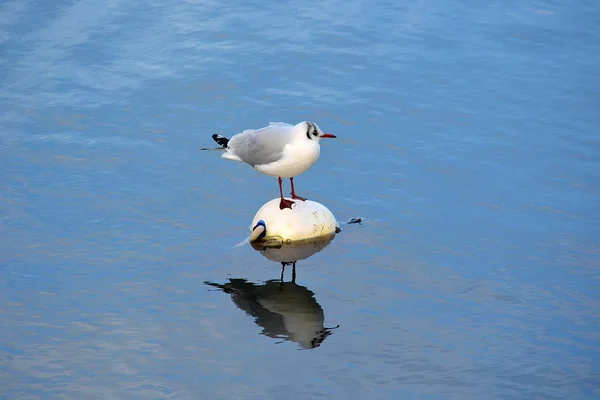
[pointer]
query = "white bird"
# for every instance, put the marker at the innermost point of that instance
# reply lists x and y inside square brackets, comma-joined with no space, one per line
[279,149]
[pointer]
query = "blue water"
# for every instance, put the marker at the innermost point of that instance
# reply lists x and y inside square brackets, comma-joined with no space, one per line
[468,142]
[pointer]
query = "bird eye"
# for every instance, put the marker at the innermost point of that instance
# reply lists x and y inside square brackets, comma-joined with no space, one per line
[315,133]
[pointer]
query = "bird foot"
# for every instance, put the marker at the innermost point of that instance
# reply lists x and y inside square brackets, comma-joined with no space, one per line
[297,197]
[284,203]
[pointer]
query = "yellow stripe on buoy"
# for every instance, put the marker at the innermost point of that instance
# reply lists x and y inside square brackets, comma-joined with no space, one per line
[288,253]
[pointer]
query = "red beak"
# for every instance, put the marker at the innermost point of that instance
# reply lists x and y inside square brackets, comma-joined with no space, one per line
[328,135]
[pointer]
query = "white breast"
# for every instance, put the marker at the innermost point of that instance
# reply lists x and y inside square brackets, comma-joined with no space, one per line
[297,158]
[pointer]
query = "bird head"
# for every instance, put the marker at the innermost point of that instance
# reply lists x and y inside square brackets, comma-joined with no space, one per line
[313,132]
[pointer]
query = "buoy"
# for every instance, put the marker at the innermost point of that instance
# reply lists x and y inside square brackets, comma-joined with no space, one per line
[306,220]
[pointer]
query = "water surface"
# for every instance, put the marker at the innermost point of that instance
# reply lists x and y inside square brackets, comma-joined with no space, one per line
[467,141]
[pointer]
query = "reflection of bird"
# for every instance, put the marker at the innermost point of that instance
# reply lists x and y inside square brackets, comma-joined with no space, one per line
[284,310]
[279,149]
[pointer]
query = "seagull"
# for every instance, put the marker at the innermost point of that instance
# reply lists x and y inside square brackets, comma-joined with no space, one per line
[279,149]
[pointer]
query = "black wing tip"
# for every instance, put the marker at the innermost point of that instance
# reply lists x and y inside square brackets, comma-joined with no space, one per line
[221,140]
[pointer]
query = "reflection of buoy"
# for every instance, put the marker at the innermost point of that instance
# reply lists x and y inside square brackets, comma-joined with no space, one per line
[305,220]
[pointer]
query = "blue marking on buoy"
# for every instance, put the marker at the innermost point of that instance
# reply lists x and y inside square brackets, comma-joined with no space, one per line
[261,223]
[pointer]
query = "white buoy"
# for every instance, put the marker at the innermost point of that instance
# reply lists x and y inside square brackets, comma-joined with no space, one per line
[306,220]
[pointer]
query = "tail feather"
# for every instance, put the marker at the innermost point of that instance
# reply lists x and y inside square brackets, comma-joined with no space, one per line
[221,140]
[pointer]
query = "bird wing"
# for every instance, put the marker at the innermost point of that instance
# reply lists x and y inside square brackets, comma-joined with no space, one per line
[262,146]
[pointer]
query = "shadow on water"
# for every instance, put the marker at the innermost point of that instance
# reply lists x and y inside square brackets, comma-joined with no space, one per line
[285,310]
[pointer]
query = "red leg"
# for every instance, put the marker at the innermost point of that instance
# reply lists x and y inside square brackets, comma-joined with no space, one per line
[294,196]
[284,203]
